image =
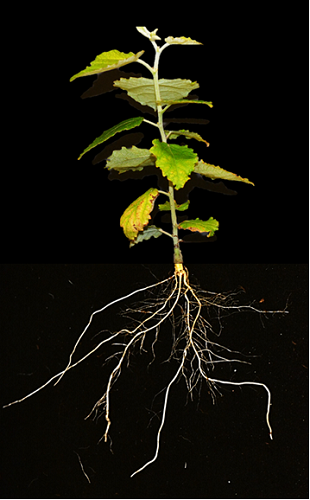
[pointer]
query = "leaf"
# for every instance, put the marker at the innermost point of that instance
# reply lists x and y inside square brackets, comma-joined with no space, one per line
[218,173]
[174,134]
[124,125]
[181,41]
[176,162]
[130,159]
[151,36]
[166,206]
[202,226]
[108,61]
[137,215]
[142,89]
[149,232]
[186,101]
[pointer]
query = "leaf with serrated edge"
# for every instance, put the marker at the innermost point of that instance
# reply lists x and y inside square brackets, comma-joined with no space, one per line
[108,61]
[142,89]
[185,101]
[182,40]
[174,134]
[137,215]
[218,173]
[202,226]
[149,232]
[124,125]
[130,159]
[166,206]
[176,162]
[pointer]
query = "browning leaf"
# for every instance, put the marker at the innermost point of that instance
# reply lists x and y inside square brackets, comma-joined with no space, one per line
[137,215]
[202,226]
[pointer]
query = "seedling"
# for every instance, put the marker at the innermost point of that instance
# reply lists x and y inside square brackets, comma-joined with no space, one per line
[194,350]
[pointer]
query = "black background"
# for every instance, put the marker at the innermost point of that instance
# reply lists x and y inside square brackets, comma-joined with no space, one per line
[57,210]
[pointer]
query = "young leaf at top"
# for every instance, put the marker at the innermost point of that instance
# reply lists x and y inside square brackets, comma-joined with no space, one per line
[174,134]
[181,41]
[150,35]
[130,159]
[176,162]
[149,232]
[124,125]
[137,215]
[218,173]
[142,89]
[202,226]
[108,61]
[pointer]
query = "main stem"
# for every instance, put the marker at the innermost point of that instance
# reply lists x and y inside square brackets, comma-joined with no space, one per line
[178,258]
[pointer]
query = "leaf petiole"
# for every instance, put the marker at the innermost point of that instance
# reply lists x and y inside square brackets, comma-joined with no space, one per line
[146,65]
[151,123]
[167,107]
[165,232]
[163,192]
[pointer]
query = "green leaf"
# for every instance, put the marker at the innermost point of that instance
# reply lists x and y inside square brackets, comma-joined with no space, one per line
[142,89]
[130,159]
[218,173]
[125,125]
[166,206]
[137,215]
[202,226]
[174,134]
[181,41]
[176,162]
[108,61]
[149,232]
[185,101]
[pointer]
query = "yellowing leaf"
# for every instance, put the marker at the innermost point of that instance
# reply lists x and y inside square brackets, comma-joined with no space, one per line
[137,215]
[176,162]
[124,125]
[108,61]
[174,134]
[142,89]
[202,226]
[130,159]
[181,41]
[218,173]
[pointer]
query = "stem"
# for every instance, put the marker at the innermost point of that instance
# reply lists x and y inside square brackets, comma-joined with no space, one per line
[178,258]
[157,92]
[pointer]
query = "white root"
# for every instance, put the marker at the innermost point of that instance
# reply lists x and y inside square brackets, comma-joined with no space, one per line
[191,347]
[69,366]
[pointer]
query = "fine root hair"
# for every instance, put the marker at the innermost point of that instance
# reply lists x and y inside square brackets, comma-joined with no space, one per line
[191,312]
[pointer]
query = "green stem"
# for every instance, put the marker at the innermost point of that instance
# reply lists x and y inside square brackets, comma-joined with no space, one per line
[178,258]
